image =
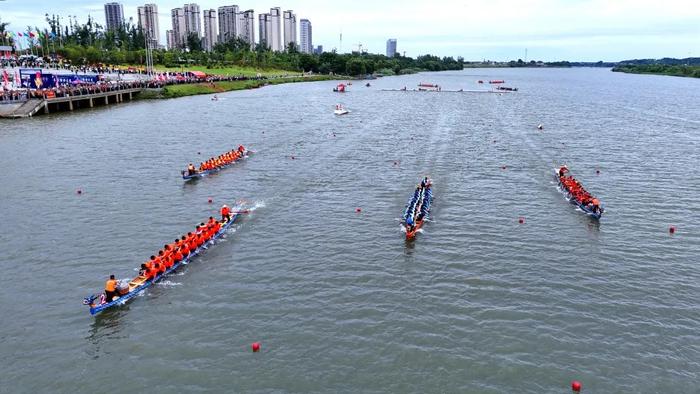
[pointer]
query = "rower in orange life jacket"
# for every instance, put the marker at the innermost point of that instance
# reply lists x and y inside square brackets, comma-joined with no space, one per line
[225,213]
[110,289]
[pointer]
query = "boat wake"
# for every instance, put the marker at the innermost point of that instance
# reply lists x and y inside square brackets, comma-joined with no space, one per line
[168,283]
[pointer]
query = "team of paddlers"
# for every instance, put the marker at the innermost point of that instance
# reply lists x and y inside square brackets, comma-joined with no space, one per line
[168,256]
[217,162]
[418,206]
[577,192]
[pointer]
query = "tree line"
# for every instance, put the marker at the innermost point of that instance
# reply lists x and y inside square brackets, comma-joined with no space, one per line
[90,43]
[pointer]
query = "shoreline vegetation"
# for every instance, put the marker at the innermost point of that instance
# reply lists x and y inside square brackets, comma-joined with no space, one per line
[191,89]
[660,69]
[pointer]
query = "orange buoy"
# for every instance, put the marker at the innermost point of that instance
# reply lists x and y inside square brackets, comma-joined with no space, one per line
[576,386]
[672,229]
[255,346]
[521,220]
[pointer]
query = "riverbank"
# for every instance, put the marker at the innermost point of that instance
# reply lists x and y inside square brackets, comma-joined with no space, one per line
[660,69]
[174,91]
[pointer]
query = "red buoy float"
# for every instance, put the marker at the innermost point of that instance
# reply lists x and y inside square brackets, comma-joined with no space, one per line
[292,157]
[576,386]
[255,346]
[210,200]
[79,191]
[503,167]
[672,229]
[521,220]
[358,210]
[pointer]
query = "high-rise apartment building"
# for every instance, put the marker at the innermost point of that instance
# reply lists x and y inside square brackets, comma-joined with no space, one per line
[177,16]
[170,40]
[114,16]
[246,27]
[274,33]
[263,29]
[209,30]
[148,22]
[290,28]
[228,23]
[391,47]
[193,20]
[305,39]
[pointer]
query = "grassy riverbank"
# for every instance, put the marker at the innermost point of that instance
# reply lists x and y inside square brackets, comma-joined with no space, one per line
[661,69]
[229,70]
[173,91]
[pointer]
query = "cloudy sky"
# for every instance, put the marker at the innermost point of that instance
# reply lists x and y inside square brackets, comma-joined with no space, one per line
[586,30]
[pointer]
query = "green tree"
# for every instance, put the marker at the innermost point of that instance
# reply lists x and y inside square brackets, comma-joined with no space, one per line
[194,42]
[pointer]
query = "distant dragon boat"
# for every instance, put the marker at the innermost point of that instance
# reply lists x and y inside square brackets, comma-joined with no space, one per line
[576,194]
[186,175]
[428,87]
[141,283]
[418,208]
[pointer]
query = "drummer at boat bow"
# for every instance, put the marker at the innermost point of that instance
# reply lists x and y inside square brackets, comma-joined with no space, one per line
[110,289]
[191,170]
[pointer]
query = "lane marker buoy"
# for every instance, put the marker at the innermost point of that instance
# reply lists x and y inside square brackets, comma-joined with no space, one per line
[210,200]
[358,210]
[540,127]
[255,346]
[79,191]
[672,229]
[576,386]
[521,220]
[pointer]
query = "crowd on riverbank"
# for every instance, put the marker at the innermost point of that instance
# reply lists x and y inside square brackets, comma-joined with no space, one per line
[157,81]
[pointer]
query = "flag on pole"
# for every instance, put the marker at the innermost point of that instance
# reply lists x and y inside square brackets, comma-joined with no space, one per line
[5,78]
[19,34]
[18,81]
[31,34]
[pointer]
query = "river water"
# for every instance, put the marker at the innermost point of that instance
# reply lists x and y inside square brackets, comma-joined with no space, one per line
[338,299]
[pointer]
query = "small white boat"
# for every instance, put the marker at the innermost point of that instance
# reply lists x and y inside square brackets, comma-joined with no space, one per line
[340,110]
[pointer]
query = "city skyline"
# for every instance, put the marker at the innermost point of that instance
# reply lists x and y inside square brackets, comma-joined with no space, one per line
[585,30]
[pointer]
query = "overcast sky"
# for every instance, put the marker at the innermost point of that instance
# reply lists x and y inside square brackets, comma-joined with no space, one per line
[587,30]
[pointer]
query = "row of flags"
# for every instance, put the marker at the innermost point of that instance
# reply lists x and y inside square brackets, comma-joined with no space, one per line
[30,34]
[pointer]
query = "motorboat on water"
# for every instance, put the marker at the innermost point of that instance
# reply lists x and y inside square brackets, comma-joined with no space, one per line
[340,88]
[340,110]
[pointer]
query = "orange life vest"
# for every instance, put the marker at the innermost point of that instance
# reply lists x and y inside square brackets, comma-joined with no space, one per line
[111,285]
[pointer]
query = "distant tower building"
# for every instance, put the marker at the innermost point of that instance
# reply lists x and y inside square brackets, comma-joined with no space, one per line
[274,33]
[114,16]
[179,30]
[209,29]
[391,47]
[246,27]
[193,21]
[263,29]
[305,39]
[318,50]
[290,28]
[170,40]
[228,23]
[148,22]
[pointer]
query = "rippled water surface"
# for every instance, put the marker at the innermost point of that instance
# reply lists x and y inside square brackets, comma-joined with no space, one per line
[338,299]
